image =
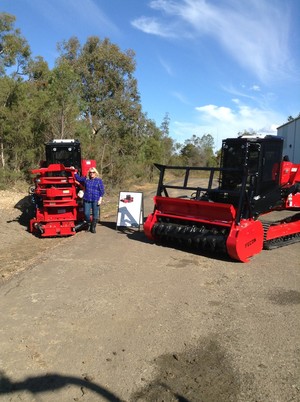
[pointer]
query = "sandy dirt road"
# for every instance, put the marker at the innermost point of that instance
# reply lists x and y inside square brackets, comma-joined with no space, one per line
[112,317]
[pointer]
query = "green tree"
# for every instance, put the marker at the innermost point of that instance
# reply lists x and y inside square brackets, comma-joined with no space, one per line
[247,133]
[14,59]
[152,150]
[198,151]
[64,101]
[110,99]
[190,154]
[291,118]
[15,119]
[206,145]
[15,49]
[167,141]
[90,94]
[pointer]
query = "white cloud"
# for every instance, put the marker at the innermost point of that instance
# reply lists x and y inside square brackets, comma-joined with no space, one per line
[253,94]
[226,122]
[182,98]
[245,111]
[166,67]
[242,117]
[153,26]
[255,88]
[255,33]
[67,14]
[220,113]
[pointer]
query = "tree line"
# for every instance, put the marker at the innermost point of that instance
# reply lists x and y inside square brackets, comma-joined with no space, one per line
[90,94]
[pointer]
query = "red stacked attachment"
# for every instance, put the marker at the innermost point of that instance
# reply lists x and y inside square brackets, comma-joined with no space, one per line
[57,204]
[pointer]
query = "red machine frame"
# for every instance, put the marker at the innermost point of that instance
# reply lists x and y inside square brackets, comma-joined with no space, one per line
[219,226]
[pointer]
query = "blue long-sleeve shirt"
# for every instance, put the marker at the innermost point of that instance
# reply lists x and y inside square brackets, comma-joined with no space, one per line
[94,188]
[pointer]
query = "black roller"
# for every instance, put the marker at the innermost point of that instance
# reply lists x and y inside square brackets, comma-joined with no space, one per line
[199,237]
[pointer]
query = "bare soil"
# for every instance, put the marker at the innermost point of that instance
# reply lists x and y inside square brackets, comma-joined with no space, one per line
[113,317]
[18,247]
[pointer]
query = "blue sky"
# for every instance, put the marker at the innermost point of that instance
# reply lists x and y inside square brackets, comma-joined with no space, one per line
[215,66]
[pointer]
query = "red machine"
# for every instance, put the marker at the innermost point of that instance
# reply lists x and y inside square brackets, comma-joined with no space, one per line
[58,208]
[228,214]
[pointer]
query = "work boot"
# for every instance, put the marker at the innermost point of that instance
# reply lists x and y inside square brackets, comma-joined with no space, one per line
[93,226]
[87,226]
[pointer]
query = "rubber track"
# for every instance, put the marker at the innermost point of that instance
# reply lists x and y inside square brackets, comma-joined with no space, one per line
[279,241]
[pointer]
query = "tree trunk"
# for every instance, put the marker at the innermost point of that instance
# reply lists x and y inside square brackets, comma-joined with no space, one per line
[62,125]
[2,153]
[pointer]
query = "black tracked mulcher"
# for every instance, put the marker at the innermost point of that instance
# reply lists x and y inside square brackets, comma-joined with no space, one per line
[227,209]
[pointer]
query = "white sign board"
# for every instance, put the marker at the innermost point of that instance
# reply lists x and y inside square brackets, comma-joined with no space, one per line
[130,209]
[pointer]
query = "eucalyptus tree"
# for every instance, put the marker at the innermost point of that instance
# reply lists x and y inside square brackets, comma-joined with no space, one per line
[198,151]
[15,50]
[206,144]
[64,101]
[38,103]
[110,99]
[168,143]
[14,57]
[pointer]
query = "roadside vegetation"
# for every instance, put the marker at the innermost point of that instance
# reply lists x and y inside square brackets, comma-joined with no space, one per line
[90,94]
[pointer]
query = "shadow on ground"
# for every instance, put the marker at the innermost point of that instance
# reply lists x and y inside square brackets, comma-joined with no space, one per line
[52,382]
[27,209]
[136,234]
[284,297]
[132,233]
[203,374]
[139,235]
